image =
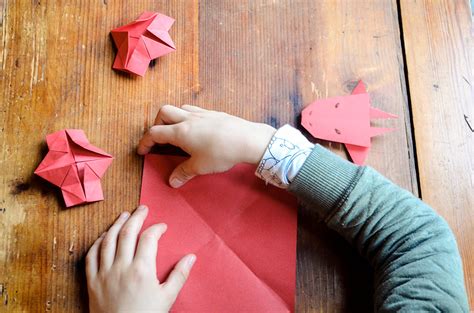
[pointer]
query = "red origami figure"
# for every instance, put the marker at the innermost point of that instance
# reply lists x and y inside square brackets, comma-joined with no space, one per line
[75,165]
[142,41]
[346,120]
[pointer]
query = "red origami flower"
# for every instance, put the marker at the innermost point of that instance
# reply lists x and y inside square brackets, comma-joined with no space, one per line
[75,165]
[142,41]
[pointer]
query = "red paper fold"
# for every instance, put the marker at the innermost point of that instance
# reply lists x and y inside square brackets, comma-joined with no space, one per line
[242,231]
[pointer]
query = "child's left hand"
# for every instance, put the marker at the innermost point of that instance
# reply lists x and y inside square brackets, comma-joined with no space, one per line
[121,269]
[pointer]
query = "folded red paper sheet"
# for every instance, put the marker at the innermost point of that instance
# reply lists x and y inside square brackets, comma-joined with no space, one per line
[242,232]
[75,165]
[141,41]
[346,119]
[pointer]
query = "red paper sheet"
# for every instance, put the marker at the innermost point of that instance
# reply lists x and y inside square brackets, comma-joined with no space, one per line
[242,231]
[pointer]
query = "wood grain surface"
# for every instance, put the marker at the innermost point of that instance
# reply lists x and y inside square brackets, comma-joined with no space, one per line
[263,60]
[440,62]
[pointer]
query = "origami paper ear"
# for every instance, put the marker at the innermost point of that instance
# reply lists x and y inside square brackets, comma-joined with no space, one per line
[359,88]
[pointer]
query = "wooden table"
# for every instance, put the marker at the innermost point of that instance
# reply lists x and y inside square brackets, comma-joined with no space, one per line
[262,60]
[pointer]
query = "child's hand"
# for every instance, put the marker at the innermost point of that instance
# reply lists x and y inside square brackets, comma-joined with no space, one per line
[216,141]
[121,272]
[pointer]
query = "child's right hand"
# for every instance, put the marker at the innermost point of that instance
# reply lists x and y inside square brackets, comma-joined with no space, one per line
[216,141]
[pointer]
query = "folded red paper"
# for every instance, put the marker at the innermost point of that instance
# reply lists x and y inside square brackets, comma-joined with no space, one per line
[346,119]
[141,41]
[242,231]
[75,165]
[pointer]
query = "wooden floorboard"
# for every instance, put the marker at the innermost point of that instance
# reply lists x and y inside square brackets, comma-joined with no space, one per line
[262,60]
[440,62]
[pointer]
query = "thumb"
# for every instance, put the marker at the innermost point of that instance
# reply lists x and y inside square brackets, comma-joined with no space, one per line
[182,174]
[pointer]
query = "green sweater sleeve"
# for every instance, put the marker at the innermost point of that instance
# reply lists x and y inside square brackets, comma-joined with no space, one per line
[412,250]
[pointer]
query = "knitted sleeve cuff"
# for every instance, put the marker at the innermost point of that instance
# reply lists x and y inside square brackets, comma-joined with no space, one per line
[325,181]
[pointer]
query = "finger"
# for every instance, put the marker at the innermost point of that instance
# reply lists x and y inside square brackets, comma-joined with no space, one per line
[179,275]
[128,235]
[148,245]
[109,243]
[182,174]
[92,258]
[169,114]
[192,108]
[161,134]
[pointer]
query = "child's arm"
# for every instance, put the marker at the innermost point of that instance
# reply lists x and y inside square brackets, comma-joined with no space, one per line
[412,250]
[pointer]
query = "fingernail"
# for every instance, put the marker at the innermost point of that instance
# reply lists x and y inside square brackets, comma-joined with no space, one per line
[164,226]
[124,215]
[142,207]
[190,261]
[175,182]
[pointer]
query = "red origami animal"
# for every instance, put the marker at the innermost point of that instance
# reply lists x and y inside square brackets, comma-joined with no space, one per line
[346,120]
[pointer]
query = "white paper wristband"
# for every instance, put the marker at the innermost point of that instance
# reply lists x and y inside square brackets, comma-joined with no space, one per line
[284,157]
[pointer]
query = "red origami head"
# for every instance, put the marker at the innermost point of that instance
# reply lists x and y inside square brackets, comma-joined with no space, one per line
[346,120]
